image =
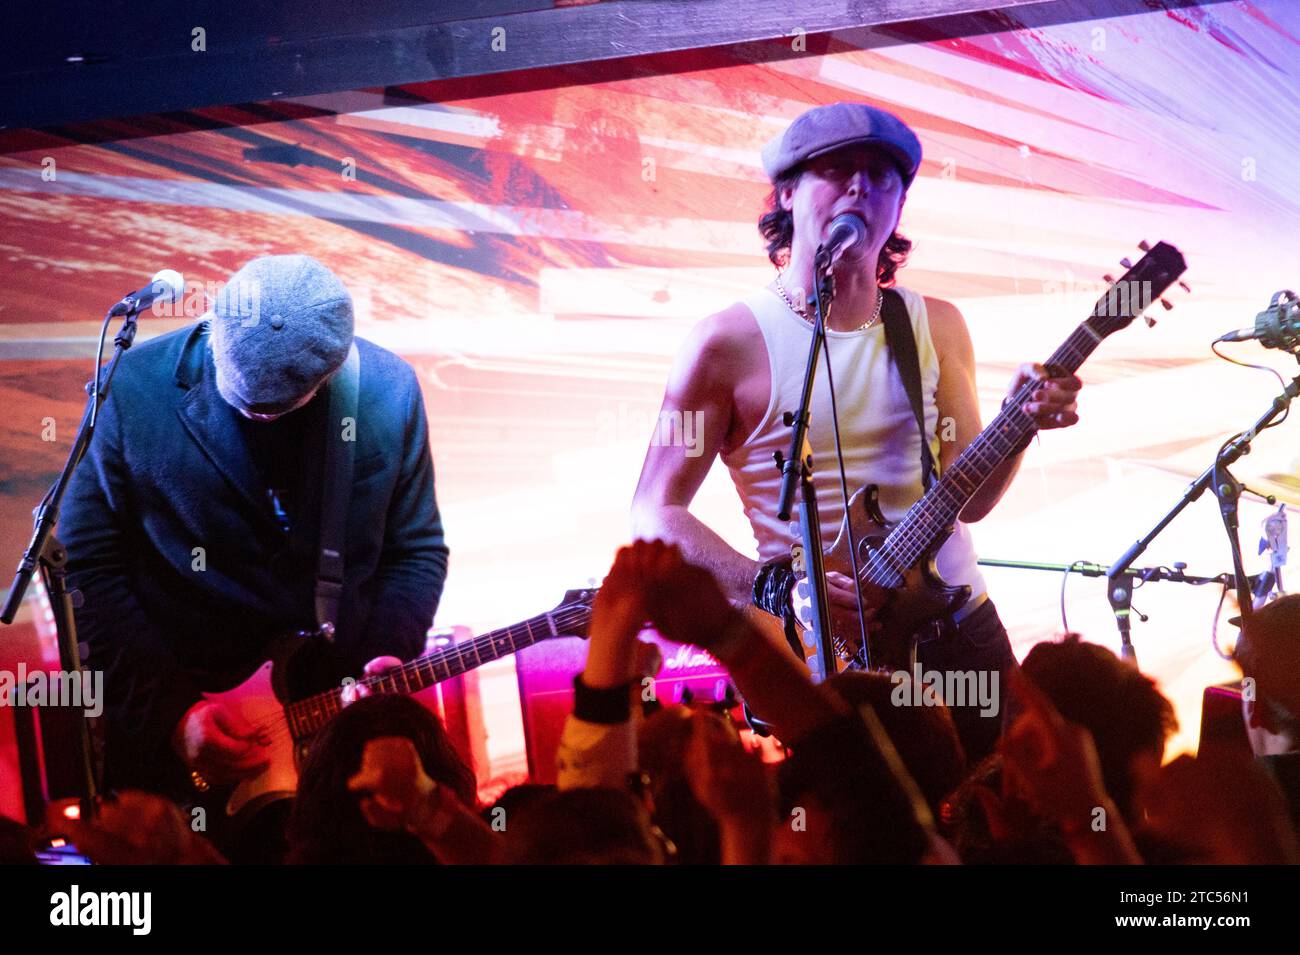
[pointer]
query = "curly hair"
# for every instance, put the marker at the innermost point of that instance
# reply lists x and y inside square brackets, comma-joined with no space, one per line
[327,825]
[777,228]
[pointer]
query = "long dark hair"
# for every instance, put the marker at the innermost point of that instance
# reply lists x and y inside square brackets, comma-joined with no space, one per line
[777,228]
[327,825]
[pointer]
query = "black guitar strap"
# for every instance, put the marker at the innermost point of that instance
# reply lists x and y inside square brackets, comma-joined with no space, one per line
[336,489]
[902,348]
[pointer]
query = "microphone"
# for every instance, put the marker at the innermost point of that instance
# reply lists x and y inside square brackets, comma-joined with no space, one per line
[1278,326]
[167,286]
[846,231]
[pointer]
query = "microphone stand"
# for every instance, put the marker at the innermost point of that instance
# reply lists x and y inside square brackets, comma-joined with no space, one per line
[47,554]
[797,469]
[1122,585]
[1227,489]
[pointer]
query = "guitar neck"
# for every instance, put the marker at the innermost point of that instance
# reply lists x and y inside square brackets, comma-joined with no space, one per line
[308,716]
[936,511]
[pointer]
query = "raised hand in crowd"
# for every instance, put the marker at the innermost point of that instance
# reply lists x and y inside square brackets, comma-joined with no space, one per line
[1054,765]
[734,786]
[134,828]
[687,605]
[396,794]
[614,655]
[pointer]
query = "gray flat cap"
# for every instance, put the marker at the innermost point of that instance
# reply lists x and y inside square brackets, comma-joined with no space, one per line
[826,128]
[281,326]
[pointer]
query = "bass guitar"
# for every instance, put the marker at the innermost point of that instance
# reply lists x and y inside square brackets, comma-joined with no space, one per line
[895,567]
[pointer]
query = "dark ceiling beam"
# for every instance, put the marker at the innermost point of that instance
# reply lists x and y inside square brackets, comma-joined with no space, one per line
[247,61]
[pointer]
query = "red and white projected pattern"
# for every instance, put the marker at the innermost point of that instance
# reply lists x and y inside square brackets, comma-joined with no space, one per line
[539,253]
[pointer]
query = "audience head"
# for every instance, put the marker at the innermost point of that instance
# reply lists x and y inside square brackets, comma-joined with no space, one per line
[925,736]
[327,825]
[992,826]
[1129,719]
[845,799]
[1268,652]
[596,826]
[1220,808]
[662,742]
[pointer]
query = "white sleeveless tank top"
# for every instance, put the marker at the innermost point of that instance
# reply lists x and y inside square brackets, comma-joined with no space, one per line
[878,430]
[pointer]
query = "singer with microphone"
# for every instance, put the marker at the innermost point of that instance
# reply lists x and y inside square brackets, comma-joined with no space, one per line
[195,524]
[840,176]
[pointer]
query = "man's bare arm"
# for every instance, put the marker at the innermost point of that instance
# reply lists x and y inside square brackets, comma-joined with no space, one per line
[702,384]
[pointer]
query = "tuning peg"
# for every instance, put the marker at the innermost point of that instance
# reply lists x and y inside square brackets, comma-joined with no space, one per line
[1110,279]
[1185,287]
[1151,322]
[1126,263]
[1168,305]
[1144,246]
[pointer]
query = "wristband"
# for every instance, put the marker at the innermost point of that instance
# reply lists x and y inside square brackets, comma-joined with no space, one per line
[606,705]
[772,586]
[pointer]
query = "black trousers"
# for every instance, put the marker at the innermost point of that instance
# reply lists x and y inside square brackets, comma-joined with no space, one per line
[977,648]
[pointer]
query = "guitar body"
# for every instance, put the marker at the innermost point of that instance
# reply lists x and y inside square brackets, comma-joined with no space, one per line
[258,701]
[287,724]
[902,613]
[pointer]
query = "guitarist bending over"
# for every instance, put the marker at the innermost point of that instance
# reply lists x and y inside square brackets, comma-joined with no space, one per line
[193,524]
[742,367]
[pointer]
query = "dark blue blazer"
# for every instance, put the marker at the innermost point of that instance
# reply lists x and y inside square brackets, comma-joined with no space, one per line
[185,571]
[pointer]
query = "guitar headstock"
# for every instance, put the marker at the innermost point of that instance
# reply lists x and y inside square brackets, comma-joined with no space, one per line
[1138,288]
[573,614]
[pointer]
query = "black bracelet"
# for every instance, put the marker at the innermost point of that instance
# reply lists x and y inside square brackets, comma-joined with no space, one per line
[772,587]
[606,705]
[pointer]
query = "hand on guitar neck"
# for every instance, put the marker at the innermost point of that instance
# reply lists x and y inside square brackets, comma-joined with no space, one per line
[354,691]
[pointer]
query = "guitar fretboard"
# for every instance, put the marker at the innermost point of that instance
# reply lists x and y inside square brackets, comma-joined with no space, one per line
[308,716]
[936,511]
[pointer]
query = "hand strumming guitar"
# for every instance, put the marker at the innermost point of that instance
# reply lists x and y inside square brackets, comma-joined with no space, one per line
[219,744]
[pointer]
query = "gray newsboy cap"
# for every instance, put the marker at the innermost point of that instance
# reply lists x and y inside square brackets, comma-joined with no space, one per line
[825,128]
[281,326]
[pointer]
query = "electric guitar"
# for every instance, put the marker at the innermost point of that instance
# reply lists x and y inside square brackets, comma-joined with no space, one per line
[289,726]
[896,569]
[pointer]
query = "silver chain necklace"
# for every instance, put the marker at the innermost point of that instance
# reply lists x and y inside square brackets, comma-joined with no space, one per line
[803,312]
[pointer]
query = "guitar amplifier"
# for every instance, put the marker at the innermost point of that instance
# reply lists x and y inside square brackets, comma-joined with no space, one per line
[546,671]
